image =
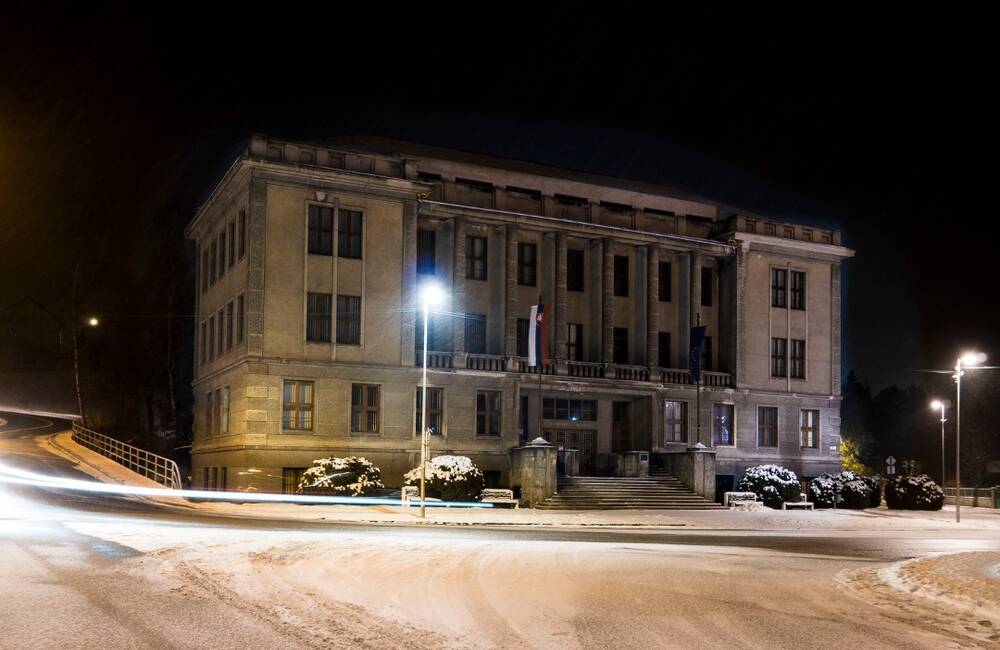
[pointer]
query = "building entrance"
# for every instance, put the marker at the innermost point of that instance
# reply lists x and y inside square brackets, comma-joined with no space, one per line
[621,427]
[583,441]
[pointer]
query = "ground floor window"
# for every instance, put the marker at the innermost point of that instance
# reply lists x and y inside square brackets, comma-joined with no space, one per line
[297,405]
[290,477]
[767,426]
[810,428]
[435,410]
[674,421]
[722,425]
[569,409]
[488,413]
[365,408]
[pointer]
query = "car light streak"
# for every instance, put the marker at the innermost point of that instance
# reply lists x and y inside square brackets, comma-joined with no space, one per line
[21,477]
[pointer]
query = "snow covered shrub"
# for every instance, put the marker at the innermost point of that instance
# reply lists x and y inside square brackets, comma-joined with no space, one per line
[773,484]
[913,493]
[875,496]
[453,478]
[855,490]
[351,476]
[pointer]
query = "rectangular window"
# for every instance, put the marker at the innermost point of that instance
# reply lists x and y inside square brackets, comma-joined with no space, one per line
[523,418]
[435,412]
[707,286]
[573,410]
[222,252]
[475,333]
[475,258]
[433,340]
[798,358]
[663,358]
[526,264]
[349,232]
[224,411]
[220,333]
[204,271]
[798,290]
[574,270]
[297,405]
[365,408]
[574,341]
[779,287]
[674,421]
[232,243]
[240,311]
[290,477]
[209,414]
[706,355]
[810,428]
[212,268]
[349,320]
[320,230]
[767,426]
[243,233]
[522,337]
[319,313]
[621,275]
[778,357]
[211,338]
[665,281]
[488,412]
[620,355]
[230,322]
[426,249]
[723,433]
[204,341]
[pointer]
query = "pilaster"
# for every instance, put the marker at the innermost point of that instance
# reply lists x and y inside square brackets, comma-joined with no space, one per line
[607,302]
[652,306]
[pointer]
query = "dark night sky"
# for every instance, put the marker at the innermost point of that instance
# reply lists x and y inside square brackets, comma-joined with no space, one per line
[113,128]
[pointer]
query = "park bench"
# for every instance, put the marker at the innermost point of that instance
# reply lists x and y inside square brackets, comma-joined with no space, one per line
[499,495]
[409,492]
[741,500]
[805,505]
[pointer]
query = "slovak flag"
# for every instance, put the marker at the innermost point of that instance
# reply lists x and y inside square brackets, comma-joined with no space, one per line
[538,352]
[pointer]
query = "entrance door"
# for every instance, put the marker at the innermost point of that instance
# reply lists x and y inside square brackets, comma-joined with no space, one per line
[582,441]
[621,430]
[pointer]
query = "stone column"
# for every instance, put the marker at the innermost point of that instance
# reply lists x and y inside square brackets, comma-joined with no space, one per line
[682,304]
[458,292]
[641,307]
[510,314]
[652,306]
[607,303]
[594,279]
[695,302]
[560,303]
[738,365]
[409,297]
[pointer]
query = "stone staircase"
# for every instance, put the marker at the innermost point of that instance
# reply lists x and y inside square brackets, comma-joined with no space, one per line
[660,491]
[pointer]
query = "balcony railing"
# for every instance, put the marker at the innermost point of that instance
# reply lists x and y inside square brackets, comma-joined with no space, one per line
[586,369]
[520,364]
[444,360]
[489,362]
[628,373]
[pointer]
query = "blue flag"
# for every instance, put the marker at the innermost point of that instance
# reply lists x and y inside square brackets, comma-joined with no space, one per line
[697,349]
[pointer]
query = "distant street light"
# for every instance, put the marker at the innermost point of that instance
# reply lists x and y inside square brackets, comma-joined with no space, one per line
[93,322]
[431,295]
[940,405]
[967,360]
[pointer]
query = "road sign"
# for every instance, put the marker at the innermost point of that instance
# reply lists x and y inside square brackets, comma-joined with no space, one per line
[890,461]
[890,466]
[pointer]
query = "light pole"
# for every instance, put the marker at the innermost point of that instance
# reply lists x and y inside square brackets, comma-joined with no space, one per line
[967,360]
[430,294]
[940,405]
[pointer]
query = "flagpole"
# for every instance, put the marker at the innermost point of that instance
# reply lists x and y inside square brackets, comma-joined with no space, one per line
[539,360]
[697,387]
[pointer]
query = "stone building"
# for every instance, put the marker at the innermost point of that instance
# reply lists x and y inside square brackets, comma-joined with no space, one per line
[310,256]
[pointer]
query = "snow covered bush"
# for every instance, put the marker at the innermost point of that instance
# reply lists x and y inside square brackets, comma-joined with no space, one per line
[352,476]
[773,484]
[453,478]
[914,493]
[855,490]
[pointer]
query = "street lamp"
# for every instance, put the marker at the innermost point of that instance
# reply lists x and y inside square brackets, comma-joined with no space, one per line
[940,405]
[967,360]
[431,294]
[93,322]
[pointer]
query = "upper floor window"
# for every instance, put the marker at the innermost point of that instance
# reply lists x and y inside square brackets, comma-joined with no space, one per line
[365,408]
[320,230]
[798,290]
[810,428]
[349,231]
[435,410]
[475,258]
[527,263]
[722,425]
[574,341]
[569,409]
[349,319]
[488,412]
[663,349]
[674,421]
[664,283]
[779,287]
[240,316]
[243,233]
[620,349]
[220,332]
[522,337]
[232,243]
[213,266]
[426,250]
[204,271]
[211,338]
[767,426]
[475,333]
[318,317]
[230,324]
[778,357]
[574,270]
[297,405]
[707,286]
[797,367]
[222,252]
[706,355]
[204,342]
[621,275]
[224,410]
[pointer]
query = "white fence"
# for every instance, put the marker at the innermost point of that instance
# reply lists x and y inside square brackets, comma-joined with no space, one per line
[162,470]
[974,497]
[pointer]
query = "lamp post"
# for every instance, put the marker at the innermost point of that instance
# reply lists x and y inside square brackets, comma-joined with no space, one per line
[940,405]
[967,360]
[430,294]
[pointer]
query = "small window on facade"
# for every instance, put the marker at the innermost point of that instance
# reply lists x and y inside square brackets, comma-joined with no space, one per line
[722,425]
[224,411]
[475,258]
[522,337]
[213,267]
[230,324]
[365,408]
[204,341]
[349,233]
[665,281]
[620,355]
[435,341]
[232,243]
[297,405]
[621,275]
[222,252]
[798,290]
[810,428]
[778,357]
[779,287]
[706,355]
[205,273]
[573,410]
[243,233]
[707,286]
[767,426]
[574,341]
[319,313]
[349,320]
[488,412]
[797,368]
[320,230]
[475,333]
[526,264]
[209,414]
[290,478]
[426,250]
[663,359]
[674,421]
[435,412]
[220,332]
[770,229]
[211,338]
[574,270]
[240,316]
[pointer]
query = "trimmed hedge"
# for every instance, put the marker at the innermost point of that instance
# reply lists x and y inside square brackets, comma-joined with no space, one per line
[856,492]
[353,476]
[772,484]
[914,493]
[452,478]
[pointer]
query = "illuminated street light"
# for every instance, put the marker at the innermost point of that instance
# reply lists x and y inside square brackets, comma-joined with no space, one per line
[431,295]
[940,405]
[967,360]
[93,322]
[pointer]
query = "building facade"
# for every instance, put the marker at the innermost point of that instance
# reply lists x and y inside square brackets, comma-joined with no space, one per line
[308,341]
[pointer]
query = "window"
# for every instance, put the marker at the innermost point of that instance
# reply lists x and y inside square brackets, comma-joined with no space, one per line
[573,410]
[349,227]
[243,233]
[222,252]
[779,281]
[475,258]
[810,428]
[488,413]
[229,325]
[209,414]
[320,230]
[475,333]
[220,333]
[211,338]
[574,270]
[224,411]
[204,341]
[349,320]
[290,477]
[232,243]
[674,421]
[707,290]
[706,355]
[665,281]
[620,345]
[526,264]
[778,355]
[364,408]
[523,417]
[318,316]
[767,426]
[798,357]
[297,405]
[433,340]
[435,397]
[204,271]
[722,425]
[522,337]
[663,358]
[621,275]
[574,341]
[425,251]
[798,290]
[214,248]
[240,310]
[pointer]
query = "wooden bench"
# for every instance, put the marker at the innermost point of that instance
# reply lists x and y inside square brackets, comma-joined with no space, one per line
[408,493]
[741,500]
[805,505]
[499,495]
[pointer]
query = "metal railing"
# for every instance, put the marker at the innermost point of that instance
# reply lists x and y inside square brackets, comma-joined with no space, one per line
[974,497]
[157,468]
